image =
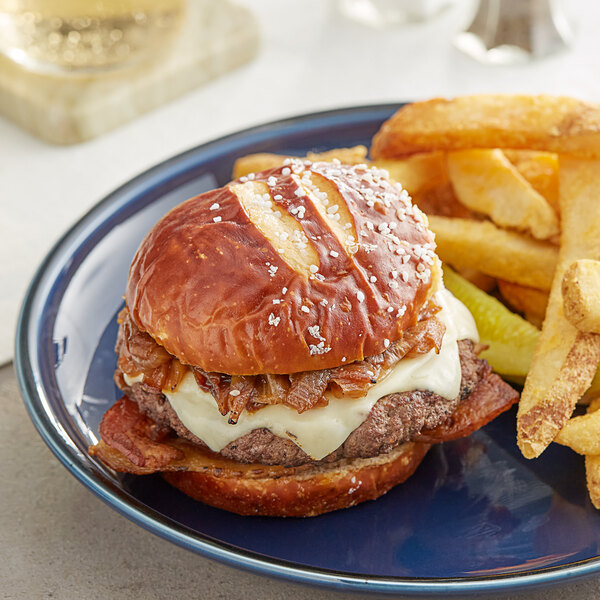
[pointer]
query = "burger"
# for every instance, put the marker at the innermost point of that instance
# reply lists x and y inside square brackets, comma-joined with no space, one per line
[288,348]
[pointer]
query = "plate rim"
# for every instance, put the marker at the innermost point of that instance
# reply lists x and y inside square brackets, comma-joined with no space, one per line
[82,467]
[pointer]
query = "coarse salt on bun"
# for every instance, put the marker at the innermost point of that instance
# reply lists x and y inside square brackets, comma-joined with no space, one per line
[298,268]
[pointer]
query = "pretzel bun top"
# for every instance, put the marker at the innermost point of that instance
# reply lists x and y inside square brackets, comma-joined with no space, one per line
[302,267]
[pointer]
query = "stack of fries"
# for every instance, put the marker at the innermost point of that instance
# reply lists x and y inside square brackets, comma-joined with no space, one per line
[511,185]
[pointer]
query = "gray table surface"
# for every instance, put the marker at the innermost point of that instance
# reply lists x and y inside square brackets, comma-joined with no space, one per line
[57,540]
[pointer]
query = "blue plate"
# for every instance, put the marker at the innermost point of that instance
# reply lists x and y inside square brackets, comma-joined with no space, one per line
[475,517]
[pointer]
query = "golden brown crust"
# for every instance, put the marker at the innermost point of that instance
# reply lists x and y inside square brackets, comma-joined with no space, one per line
[308,494]
[217,293]
[542,122]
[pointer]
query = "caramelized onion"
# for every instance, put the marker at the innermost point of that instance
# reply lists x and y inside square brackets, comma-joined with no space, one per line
[139,353]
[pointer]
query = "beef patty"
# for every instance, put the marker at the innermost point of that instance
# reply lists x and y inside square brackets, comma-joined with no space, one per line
[393,420]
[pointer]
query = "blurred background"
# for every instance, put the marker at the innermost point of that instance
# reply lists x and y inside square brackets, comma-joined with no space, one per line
[92,93]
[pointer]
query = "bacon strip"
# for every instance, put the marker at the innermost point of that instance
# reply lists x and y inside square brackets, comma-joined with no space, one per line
[136,436]
[170,453]
[490,398]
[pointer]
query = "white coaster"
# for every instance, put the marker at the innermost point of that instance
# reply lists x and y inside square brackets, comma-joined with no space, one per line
[216,37]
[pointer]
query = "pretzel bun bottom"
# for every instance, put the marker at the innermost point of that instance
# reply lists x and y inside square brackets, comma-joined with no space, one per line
[319,490]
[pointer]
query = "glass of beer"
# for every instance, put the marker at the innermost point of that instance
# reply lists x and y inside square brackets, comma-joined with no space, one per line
[85,36]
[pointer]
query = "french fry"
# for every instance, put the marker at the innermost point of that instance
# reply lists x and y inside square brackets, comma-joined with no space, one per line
[253,163]
[565,359]
[547,123]
[581,295]
[465,243]
[349,156]
[425,178]
[594,405]
[527,300]
[440,201]
[418,174]
[487,182]
[540,169]
[592,478]
[581,435]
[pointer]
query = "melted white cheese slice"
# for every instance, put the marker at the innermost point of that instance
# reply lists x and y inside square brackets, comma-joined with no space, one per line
[319,431]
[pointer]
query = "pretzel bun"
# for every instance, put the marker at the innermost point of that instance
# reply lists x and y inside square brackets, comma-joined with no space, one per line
[302,267]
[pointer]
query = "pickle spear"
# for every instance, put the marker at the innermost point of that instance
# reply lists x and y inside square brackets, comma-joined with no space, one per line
[511,339]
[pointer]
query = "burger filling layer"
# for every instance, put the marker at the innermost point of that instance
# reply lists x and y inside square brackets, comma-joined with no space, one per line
[320,432]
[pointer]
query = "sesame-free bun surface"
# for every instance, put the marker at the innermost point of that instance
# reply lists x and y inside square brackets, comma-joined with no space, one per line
[301,267]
